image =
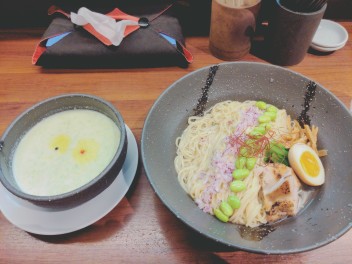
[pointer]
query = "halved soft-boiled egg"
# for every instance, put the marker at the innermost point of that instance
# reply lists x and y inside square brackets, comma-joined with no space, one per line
[306,164]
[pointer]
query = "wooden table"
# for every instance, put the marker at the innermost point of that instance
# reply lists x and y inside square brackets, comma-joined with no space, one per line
[140,229]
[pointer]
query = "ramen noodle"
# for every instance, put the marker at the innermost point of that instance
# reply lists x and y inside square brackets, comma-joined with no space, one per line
[211,144]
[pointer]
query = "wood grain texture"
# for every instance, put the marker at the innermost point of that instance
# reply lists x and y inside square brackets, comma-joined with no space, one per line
[140,229]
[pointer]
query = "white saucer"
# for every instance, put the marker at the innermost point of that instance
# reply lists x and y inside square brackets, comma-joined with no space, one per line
[38,220]
[330,35]
[324,49]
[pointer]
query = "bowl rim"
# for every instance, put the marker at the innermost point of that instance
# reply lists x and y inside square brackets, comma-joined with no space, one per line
[68,195]
[338,28]
[177,213]
[322,9]
[323,49]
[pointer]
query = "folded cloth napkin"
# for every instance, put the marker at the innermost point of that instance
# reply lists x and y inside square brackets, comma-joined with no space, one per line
[88,39]
[105,25]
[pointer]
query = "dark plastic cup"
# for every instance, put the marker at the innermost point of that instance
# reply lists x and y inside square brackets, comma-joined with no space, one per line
[290,34]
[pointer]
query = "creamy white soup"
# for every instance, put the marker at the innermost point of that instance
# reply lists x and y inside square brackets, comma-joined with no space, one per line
[64,151]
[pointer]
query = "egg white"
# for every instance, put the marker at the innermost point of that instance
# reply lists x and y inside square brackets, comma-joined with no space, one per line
[294,156]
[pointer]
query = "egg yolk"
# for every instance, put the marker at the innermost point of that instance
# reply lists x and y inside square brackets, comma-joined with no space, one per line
[85,151]
[60,143]
[310,164]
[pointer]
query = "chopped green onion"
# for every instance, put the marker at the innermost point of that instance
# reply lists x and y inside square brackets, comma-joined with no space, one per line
[277,153]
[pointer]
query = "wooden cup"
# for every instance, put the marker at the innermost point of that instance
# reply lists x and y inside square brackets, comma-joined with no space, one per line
[232,28]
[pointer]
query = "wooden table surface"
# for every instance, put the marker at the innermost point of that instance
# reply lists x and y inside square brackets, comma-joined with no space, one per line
[140,229]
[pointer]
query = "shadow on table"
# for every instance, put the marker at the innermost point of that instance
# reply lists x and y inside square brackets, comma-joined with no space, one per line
[259,47]
[194,246]
[106,227]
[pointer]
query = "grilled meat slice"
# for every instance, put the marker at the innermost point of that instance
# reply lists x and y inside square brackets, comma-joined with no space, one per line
[280,187]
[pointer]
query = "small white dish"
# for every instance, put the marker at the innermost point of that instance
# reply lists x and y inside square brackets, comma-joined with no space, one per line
[44,221]
[324,49]
[330,35]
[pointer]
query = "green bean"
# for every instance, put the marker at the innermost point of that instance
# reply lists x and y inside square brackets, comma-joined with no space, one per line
[272,115]
[272,108]
[226,208]
[220,215]
[263,119]
[261,105]
[237,186]
[234,201]
[240,162]
[240,174]
[250,163]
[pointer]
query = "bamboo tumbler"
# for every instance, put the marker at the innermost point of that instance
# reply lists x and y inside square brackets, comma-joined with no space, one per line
[232,27]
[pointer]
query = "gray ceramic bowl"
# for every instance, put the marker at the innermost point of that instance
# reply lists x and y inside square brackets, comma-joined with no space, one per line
[324,219]
[46,108]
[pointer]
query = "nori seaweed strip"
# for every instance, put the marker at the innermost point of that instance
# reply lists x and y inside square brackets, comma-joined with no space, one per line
[202,102]
[304,118]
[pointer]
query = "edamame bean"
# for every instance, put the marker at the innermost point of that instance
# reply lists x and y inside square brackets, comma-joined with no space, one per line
[234,201]
[261,105]
[243,151]
[258,131]
[240,174]
[264,119]
[226,208]
[250,142]
[220,215]
[267,126]
[240,162]
[272,115]
[272,108]
[250,163]
[254,133]
[237,186]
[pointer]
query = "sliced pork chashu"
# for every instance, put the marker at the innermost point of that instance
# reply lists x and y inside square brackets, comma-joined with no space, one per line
[280,187]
